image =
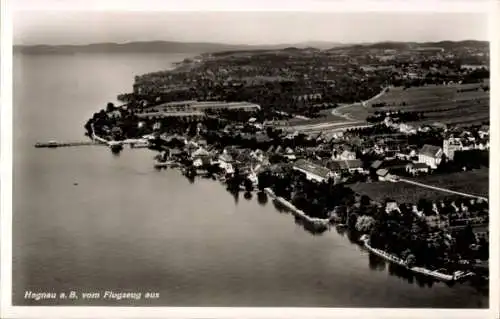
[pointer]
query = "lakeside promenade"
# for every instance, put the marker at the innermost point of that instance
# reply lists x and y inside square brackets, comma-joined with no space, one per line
[457,275]
[297,212]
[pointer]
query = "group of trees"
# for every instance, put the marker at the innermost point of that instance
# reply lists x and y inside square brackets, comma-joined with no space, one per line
[370,131]
[396,117]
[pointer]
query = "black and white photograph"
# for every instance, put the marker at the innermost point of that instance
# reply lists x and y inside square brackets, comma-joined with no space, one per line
[309,159]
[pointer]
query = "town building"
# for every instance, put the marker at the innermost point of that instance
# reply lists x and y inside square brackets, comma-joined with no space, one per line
[484,131]
[383,174]
[313,172]
[417,168]
[450,146]
[430,155]
[347,155]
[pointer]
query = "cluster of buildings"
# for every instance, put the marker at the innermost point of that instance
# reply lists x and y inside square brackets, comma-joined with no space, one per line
[194,110]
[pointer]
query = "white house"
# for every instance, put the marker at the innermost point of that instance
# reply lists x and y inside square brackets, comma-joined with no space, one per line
[430,155]
[407,129]
[417,168]
[484,131]
[450,146]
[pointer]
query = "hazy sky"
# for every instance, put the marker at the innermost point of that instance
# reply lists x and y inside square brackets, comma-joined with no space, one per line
[77,27]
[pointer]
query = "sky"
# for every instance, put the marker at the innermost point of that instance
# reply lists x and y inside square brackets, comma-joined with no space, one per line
[33,24]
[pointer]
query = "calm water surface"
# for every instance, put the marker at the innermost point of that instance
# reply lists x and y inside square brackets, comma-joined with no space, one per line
[127,227]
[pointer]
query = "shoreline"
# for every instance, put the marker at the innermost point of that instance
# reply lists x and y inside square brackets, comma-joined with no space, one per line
[457,275]
[295,211]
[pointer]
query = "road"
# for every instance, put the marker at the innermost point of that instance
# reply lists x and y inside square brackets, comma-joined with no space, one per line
[347,116]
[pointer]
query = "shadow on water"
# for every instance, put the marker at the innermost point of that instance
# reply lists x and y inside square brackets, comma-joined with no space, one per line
[248,195]
[341,230]
[236,195]
[376,262]
[353,236]
[279,207]
[191,178]
[401,272]
[311,228]
[262,198]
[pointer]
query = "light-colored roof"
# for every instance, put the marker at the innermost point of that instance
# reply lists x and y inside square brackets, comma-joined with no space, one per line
[382,172]
[312,168]
[430,150]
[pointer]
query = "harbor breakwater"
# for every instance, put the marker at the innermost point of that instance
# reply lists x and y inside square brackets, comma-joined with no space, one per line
[320,222]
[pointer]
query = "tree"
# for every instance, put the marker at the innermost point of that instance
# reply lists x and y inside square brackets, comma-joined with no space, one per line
[248,185]
[365,200]
[110,107]
[364,224]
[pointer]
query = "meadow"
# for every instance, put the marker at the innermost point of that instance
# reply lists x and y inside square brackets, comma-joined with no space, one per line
[472,182]
[457,104]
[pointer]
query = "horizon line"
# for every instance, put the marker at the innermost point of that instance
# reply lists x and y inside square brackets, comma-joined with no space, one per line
[254,44]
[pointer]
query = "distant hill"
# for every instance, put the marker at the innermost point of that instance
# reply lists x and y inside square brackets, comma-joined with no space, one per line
[447,45]
[206,47]
[158,47]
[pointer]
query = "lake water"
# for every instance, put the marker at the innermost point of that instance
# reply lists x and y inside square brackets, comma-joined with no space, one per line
[88,221]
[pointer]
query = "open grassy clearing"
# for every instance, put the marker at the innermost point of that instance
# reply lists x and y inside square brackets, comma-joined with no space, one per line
[327,118]
[437,102]
[400,192]
[474,182]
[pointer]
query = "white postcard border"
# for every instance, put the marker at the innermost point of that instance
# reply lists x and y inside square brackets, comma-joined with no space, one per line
[8,311]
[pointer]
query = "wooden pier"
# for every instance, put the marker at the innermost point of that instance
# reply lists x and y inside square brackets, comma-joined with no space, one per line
[54,144]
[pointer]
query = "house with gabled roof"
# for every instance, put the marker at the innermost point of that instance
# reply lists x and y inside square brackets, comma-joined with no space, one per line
[377,164]
[383,174]
[313,172]
[430,155]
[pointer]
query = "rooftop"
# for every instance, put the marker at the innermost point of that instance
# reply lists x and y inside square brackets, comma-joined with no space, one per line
[312,168]
[430,150]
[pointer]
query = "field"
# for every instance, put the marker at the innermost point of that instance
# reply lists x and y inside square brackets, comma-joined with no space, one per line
[473,182]
[319,124]
[400,192]
[440,103]
[328,122]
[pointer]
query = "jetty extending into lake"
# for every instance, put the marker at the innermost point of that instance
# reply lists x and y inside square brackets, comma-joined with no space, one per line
[54,144]
[297,212]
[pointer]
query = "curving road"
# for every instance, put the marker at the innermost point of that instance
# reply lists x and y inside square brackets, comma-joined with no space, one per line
[347,116]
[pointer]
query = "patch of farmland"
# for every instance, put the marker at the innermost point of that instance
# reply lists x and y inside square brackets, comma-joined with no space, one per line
[329,118]
[474,182]
[435,101]
[400,192]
